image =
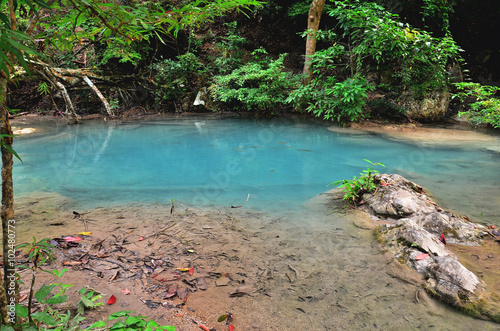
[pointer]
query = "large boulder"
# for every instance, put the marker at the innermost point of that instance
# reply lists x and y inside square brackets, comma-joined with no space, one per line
[413,231]
[396,197]
[452,282]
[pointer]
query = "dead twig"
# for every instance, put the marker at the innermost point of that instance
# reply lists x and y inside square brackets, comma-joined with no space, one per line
[124,267]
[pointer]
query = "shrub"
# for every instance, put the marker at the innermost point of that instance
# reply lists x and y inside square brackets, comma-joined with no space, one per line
[175,78]
[260,84]
[484,105]
[376,39]
[341,101]
[356,187]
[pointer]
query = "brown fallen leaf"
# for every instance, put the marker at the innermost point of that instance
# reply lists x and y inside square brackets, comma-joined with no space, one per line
[161,278]
[202,284]
[182,294]
[172,291]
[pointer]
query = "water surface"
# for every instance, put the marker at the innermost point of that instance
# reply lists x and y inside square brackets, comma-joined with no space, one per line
[275,165]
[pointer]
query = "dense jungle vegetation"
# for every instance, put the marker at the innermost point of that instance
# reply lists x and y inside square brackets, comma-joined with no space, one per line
[372,59]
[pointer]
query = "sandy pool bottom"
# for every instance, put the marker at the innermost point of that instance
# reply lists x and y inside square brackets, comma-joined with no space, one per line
[318,269]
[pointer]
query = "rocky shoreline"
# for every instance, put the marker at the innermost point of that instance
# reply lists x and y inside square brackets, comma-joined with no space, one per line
[419,233]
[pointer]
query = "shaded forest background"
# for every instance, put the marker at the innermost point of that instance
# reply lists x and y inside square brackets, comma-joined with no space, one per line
[252,60]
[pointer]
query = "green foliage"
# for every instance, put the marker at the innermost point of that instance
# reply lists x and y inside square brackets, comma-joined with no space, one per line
[229,51]
[377,39]
[301,8]
[15,43]
[50,317]
[439,11]
[88,299]
[40,252]
[356,187]
[483,102]
[369,41]
[43,88]
[125,30]
[260,84]
[127,322]
[175,77]
[340,101]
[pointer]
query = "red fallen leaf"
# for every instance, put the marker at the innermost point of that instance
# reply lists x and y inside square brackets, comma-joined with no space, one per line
[111,300]
[69,238]
[191,271]
[442,239]
[492,227]
[230,327]
[422,256]
[125,291]
[201,326]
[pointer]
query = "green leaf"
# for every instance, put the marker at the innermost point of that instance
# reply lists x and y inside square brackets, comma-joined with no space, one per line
[98,324]
[133,320]
[152,323]
[44,318]
[42,293]
[86,302]
[21,311]
[119,314]
[55,300]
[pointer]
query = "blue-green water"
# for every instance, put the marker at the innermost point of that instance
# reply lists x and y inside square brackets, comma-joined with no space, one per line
[279,163]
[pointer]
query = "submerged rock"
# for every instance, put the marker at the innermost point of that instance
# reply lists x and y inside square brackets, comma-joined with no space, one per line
[414,225]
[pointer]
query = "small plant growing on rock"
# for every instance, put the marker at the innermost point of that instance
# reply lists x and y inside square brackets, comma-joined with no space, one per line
[355,187]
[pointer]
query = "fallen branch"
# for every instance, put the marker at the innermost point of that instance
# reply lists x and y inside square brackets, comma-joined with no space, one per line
[99,95]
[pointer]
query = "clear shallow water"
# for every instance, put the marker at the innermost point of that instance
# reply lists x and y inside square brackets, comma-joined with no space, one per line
[207,162]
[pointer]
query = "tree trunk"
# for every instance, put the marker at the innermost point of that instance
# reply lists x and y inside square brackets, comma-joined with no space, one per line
[313,20]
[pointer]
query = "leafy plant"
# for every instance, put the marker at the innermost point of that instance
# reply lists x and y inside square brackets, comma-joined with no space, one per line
[176,77]
[260,84]
[39,253]
[43,88]
[127,322]
[356,187]
[229,50]
[376,39]
[439,11]
[88,299]
[483,102]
